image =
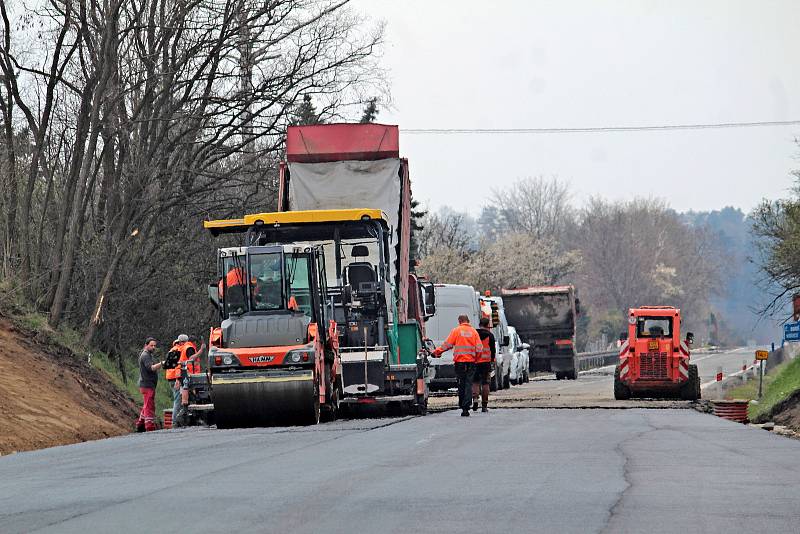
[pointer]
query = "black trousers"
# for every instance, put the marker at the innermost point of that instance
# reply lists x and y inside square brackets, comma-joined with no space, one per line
[465,373]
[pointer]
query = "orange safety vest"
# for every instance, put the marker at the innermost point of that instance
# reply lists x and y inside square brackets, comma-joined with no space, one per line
[192,367]
[465,342]
[486,351]
[235,277]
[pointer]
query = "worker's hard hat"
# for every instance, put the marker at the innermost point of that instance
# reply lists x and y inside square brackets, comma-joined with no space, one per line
[183,338]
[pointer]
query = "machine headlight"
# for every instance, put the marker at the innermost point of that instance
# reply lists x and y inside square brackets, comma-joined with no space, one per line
[224,358]
[299,356]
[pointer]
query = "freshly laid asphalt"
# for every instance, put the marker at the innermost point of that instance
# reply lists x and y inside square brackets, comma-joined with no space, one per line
[511,470]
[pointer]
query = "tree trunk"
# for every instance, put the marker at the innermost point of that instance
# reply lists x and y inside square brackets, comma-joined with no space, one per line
[102,295]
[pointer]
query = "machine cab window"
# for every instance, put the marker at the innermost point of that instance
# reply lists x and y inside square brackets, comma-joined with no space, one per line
[266,282]
[654,327]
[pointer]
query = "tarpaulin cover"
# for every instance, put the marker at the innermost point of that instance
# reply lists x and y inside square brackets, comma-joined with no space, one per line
[348,184]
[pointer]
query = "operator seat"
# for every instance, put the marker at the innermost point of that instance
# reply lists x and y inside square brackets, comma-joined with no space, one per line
[360,272]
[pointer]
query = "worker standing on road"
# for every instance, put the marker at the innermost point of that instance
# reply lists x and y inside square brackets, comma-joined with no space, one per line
[186,351]
[483,367]
[467,346]
[148,378]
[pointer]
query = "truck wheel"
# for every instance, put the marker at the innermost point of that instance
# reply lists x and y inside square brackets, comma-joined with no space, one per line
[690,388]
[697,382]
[621,391]
[572,375]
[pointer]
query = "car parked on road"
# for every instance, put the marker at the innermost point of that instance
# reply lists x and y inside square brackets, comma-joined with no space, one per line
[519,358]
[492,307]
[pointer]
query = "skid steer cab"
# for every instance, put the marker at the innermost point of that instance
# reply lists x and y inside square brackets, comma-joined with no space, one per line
[274,357]
[653,360]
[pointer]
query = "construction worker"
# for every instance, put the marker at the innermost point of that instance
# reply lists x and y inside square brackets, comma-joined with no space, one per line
[234,281]
[466,345]
[148,378]
[483,367]
[186,353]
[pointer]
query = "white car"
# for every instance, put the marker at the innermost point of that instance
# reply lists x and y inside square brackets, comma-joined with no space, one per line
[518,374]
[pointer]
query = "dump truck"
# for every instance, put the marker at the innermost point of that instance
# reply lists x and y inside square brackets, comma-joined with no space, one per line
[544,317]
[380,305]
[273,359]
[653,360]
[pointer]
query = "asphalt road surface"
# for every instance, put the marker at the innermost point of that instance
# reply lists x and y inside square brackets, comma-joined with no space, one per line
[511,470]
[595,388]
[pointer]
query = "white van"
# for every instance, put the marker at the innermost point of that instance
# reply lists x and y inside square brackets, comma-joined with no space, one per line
[452,300]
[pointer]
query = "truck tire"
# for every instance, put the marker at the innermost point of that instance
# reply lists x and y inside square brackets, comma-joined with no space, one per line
[621,391]
[691,388]
[572,375]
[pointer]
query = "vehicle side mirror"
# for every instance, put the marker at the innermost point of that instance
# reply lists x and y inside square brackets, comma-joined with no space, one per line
[689,338]
[429,295]
[506,341]
[213,295]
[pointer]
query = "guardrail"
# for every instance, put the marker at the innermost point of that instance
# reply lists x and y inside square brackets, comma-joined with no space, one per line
[592,360]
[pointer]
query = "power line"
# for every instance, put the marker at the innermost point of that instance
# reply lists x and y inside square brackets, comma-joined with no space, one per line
[598,129]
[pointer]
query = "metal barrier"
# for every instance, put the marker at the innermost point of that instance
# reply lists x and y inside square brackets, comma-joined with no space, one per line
[593,360]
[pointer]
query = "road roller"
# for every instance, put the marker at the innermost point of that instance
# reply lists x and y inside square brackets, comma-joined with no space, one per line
[273,359]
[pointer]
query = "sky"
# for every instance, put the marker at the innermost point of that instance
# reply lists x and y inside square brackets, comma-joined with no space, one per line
[565,64]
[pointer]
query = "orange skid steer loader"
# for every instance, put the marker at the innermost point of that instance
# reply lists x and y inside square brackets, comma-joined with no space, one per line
[653,361]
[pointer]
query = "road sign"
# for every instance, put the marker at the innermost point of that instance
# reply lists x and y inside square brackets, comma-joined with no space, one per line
[762,354]
[791,331]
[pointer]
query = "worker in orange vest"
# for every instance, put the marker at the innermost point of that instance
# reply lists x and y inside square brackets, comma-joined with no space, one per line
[483,367]
[467,347]
[187,352]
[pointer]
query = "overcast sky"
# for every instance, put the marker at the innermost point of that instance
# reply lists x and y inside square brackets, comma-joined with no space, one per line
[536,64]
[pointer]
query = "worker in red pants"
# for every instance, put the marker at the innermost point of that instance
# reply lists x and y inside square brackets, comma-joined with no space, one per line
[148,378]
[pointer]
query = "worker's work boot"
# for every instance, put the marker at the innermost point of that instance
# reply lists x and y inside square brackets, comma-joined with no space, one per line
[484,409]
[465,413]
[474,406]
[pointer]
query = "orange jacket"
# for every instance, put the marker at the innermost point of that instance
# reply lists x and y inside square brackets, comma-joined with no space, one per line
[191,367]
[235,277]
[486,355]
[465,342]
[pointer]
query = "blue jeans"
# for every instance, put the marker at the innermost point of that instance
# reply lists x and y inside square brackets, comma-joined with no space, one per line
[177,408]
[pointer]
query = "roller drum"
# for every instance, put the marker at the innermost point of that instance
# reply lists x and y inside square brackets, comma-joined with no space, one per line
[265,401]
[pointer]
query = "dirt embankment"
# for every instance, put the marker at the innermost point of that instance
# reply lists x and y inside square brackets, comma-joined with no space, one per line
[49,396]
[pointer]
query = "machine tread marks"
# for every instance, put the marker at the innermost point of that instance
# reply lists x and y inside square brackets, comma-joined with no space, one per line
[621,391]
[691,388]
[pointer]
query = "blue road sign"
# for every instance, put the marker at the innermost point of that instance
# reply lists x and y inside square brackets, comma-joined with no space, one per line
[791,331]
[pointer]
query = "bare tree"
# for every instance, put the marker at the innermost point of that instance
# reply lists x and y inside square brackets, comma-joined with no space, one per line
[535,206]
[145,117]
[641,253]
